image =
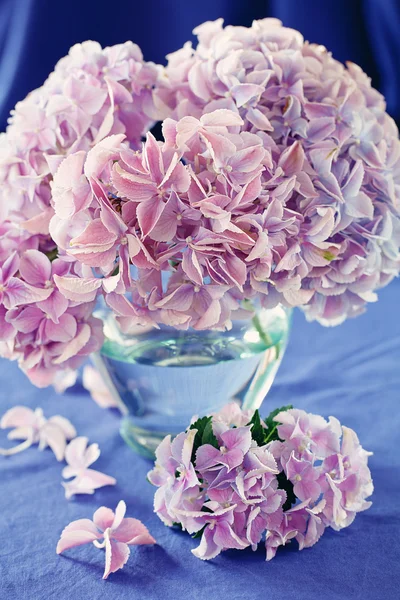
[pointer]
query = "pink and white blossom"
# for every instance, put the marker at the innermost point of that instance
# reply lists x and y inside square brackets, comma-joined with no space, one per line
[109,530]
[32,427]
[79,456]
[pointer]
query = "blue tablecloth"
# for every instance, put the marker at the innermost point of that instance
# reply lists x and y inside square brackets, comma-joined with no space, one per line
[351,371]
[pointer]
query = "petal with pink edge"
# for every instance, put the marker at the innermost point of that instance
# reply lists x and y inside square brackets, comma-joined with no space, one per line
[54,306]
[17,416]
[74,346]
[64,424]
[103,518]
[54,437]
[10,266]
[208,548]
[225,537]
[77,533]
[74,454]
[239,437]
[133,532]
[17,292]
[95,479]
[63,331]
[76,289]
[117,553]
[207,456]
[221,117]
[119,514]
[149,213]
[99,156]
[35,267]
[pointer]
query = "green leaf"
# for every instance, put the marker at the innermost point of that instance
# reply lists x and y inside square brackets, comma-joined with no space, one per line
[52,254]
[285,484]
[204,432]
[208,436]
[200,425]
[258,432]
[272,432]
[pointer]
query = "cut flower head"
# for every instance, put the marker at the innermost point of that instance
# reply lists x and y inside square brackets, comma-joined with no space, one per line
[288,477]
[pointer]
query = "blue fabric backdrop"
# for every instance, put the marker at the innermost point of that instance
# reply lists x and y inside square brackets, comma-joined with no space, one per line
[351,371]
[34,34]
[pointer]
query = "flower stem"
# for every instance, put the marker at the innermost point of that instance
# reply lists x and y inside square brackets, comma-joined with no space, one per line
[248,305]
[263,334]
[10,451]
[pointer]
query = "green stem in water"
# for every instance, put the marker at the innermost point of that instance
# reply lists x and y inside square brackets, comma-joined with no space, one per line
[263,334]
[248,305]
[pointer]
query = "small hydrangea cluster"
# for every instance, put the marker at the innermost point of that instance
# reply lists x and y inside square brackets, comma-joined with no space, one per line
[92,93]
[328,469]
[276,182]
[233,480]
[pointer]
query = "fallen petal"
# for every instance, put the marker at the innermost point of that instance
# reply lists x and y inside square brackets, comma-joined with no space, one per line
[117,553]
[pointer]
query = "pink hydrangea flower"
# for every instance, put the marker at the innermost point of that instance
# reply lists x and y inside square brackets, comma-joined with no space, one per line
[79,456]
[333,490]
[233,481]
[347,483]
[13,291]
[112,531]
[232,222]
[302,523]
[32,427]
[218,532]
[235,443]
[304,432]
[332,167]
[232,415]
[229,496]
[175,476]
[304,478]
[93,93]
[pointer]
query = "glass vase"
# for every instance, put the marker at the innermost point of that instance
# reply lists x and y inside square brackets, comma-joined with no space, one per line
[160,378]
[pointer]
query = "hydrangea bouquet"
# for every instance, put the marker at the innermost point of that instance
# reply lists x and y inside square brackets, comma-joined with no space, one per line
[277,181]
[233,480]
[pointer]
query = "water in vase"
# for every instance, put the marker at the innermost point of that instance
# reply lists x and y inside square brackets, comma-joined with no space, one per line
[164,376]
